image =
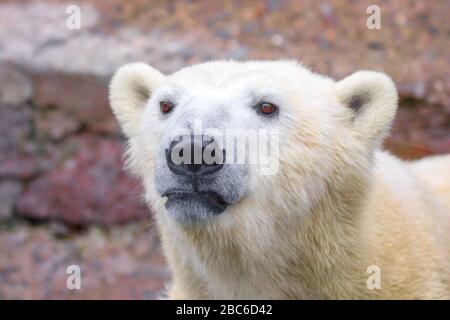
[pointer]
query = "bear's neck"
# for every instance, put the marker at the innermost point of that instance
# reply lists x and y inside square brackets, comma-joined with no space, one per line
[320,252]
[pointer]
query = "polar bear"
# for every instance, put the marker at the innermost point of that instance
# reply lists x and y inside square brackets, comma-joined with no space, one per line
[338,219]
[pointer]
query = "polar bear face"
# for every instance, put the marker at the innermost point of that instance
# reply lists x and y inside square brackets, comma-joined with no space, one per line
[184,133]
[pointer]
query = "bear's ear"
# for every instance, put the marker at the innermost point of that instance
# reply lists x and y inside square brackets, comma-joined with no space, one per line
[130,88]
[372,97]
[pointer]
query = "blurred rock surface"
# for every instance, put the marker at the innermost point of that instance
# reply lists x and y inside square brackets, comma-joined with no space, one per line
[9,195]
[121,263]
[87,186]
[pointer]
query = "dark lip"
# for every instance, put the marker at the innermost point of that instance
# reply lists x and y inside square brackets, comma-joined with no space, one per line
[181,194]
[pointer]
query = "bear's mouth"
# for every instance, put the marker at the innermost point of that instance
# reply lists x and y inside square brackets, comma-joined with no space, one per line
[194,204]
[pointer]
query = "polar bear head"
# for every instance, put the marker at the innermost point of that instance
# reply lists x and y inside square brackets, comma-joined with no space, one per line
[321,134]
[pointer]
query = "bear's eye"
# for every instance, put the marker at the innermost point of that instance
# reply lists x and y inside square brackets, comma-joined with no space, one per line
[267,108]
[166,106]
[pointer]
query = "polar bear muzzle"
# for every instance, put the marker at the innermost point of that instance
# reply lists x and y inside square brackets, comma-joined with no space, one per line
[186,201]
[194,177]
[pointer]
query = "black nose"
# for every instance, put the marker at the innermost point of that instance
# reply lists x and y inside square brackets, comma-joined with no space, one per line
[194,156]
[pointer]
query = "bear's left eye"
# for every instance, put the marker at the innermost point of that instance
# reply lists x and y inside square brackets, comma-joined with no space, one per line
[166,106]
[267,108]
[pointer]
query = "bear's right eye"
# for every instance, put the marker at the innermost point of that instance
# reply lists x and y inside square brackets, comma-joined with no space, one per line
[267,108]
[166,106]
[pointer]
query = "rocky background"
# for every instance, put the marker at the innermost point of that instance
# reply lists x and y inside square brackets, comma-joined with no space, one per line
[64,198]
